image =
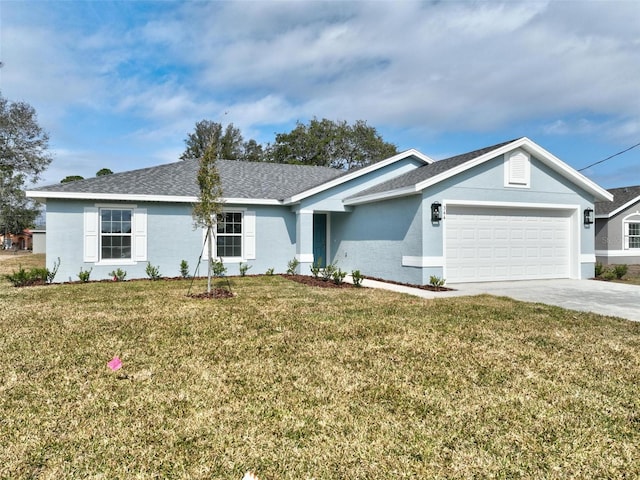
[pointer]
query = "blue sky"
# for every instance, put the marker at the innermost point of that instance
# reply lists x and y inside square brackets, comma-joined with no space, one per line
[121,84]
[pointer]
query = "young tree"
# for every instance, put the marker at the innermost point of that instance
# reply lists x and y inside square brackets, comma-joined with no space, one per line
[23,155]
[209,205]
[331,144]
[103,171]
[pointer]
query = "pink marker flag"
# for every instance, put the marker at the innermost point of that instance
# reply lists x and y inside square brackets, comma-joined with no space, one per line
[115,364]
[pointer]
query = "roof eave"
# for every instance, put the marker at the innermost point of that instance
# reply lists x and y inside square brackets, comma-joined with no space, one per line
[43,195]
[376,197]
[358,173]
[623,207]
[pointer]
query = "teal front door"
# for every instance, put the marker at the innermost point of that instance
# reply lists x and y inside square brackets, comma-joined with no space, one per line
[320,239]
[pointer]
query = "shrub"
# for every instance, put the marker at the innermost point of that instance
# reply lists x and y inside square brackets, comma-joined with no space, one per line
[599,269]
[357,278]
[118,275]
[51,274]
[608,274]
[84,275]
[269,271]
[338,276]
[35,276]
[436,282]
[243,268]
[328,271]
[620,271]
[218,268]
[20,278]
[184,269]
[316,268]
[292,266]
[153,272]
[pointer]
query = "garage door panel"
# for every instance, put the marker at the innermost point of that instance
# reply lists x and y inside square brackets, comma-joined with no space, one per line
[500,244]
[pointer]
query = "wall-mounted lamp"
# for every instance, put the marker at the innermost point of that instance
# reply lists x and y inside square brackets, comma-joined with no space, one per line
[436,212]
[588,216]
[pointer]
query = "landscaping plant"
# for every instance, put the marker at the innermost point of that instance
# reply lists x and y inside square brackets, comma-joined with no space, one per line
[243,267]
[357,278]
[292,266]
[84,275]
[153,272]
[118,275]
[184,269]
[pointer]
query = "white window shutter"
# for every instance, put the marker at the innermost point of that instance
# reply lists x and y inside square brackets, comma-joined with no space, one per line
[140,234]
[249,226]
[91,234]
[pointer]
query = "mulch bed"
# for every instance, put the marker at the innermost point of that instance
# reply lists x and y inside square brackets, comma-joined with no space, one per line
[215,293]
[317,282]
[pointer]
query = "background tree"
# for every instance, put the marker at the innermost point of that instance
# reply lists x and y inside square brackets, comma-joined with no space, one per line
[103,171]
[24,156]
[228,141]
[331,144]
[209,205]
[71,178]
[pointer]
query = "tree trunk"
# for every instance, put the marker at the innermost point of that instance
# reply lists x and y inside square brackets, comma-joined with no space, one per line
[210,253]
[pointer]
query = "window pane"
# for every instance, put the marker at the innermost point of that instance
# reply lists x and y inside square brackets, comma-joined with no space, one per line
[634,242]
[634,229]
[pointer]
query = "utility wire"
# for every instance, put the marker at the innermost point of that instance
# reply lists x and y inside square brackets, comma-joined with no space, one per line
[608,158]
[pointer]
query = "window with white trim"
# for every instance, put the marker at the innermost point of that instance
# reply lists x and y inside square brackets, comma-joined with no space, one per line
[235,234]
[115,233]
[632,231]
[229,235]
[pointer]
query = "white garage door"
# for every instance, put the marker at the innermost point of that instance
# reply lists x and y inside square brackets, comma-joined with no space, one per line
[492,244]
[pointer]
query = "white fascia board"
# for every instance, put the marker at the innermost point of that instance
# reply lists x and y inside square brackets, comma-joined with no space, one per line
[376,197]
[540,153]
[565,170]
[621,208]
[358,173]
[43,194]
[109,196]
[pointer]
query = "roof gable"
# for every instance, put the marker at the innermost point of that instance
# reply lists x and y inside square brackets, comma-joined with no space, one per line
[423,177]
[623,198]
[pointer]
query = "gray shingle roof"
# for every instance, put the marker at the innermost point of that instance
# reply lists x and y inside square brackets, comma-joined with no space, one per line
[621,196]
[428,171]
[240,179]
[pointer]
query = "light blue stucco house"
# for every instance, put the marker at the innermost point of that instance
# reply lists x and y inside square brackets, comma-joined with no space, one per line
[511,211]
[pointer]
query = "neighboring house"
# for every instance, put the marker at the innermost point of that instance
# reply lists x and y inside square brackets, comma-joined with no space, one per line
[16,241]
[512,211]
[618,227]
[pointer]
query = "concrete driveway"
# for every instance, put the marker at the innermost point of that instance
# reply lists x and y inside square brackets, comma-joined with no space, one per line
[605,298]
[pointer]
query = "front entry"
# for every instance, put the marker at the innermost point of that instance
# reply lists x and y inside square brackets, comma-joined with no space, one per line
[320,239]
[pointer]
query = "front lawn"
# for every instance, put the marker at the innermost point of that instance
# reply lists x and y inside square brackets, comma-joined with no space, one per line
[296,382]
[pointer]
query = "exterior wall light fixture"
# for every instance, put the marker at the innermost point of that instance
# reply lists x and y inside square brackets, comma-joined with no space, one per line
[588,216]
[436,212]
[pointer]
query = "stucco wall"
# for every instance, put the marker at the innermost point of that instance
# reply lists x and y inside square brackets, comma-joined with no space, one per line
[374,237]
[170,239]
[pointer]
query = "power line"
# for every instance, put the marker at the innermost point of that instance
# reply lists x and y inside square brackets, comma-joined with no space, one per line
[608,158]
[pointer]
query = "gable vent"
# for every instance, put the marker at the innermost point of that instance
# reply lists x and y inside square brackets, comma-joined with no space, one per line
[517,169]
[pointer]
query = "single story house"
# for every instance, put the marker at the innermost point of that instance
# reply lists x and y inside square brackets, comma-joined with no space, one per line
[618,227]
[512,211]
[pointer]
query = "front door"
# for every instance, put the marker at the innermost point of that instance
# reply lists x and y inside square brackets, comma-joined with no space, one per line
[320,239]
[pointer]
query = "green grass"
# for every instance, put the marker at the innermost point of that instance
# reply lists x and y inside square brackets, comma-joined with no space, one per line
[297,382]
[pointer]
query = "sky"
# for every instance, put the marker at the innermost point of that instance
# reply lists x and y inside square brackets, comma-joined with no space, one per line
[120,84]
